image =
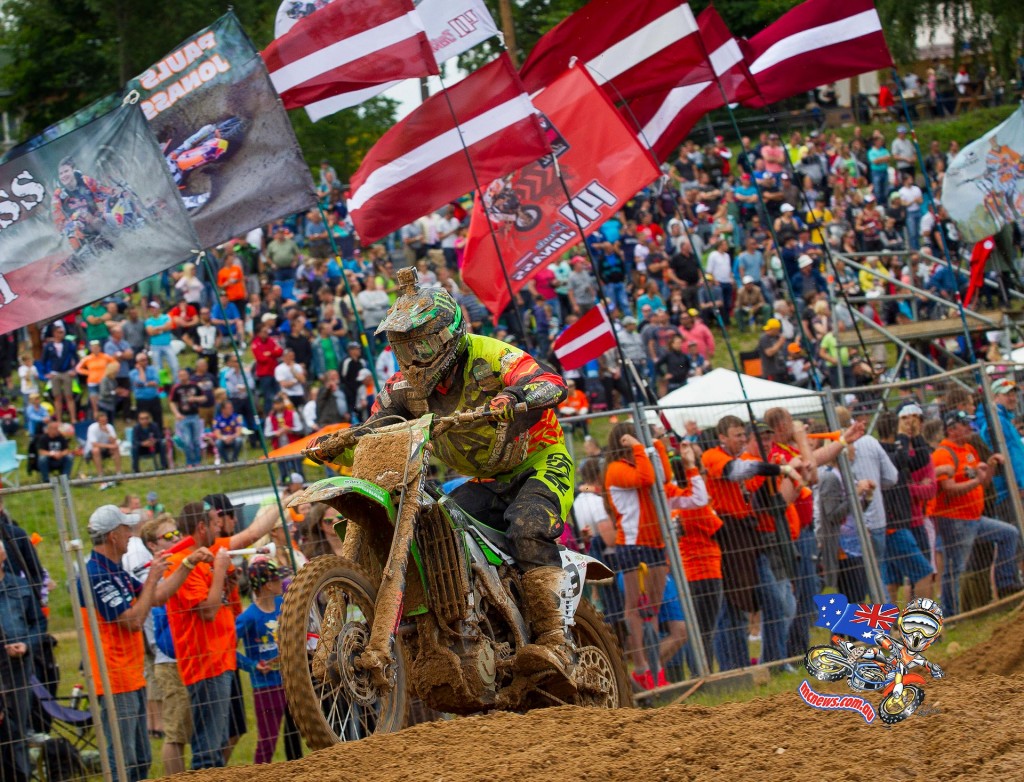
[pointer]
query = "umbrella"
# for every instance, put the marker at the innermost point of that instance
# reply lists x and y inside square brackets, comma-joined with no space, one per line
[297,447]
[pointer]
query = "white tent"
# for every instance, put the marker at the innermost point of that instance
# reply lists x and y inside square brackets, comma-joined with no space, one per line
[708,398]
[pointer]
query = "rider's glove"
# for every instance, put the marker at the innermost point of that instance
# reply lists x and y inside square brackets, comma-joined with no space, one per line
[503,406]
[937,672]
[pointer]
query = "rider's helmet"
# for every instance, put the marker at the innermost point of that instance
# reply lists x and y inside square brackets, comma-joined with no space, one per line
[427,332]
[920,623]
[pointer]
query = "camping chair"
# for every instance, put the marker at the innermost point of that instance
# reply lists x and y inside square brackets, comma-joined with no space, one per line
[73,724]
[10,462]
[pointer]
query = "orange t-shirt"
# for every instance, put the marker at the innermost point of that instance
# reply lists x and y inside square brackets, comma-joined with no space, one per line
[727,496]
[231,280]
[629,492]
[968,506]
[204,649]
[575,404]
[95,365]
[114,592]
[701,555]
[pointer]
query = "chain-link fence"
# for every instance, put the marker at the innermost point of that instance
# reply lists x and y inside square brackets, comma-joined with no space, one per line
[720,533]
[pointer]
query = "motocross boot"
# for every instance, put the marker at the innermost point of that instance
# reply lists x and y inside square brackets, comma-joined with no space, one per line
[551,648]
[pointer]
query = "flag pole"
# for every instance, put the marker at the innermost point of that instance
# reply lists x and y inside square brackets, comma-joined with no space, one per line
[478,203]
[935,213]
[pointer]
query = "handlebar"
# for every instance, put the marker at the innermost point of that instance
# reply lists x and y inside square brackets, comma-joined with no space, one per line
[327,448]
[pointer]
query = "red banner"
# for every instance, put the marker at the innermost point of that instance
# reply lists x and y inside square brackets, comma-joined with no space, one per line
[603,164]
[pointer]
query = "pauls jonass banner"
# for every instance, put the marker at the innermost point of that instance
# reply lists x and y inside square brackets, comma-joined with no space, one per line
[226,138]
[83,215]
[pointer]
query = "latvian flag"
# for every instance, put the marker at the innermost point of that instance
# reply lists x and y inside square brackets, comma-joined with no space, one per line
[585,340]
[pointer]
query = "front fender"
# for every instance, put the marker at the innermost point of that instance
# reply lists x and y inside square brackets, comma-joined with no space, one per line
[330,490]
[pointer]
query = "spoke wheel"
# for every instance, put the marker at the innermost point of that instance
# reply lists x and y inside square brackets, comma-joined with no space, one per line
[892,709]
[826,663]
[602,680]
[325,625]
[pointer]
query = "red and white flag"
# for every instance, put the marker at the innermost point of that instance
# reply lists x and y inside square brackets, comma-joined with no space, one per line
[642,50]
[421,164]
[350,48]
[585,340]
[818,42]
[601,165]
[667,117]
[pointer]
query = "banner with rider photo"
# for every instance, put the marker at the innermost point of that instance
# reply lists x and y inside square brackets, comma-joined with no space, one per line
[534,222]
[983,189]
[84,215]
[227,140]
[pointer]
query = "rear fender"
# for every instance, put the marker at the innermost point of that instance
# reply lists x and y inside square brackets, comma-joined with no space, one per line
[577,570]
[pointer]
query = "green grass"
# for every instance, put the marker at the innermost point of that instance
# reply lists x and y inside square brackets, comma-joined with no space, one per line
[962,128]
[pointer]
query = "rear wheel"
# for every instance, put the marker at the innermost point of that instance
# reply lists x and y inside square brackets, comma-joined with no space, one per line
[325,625]
[826,663]
[602,680]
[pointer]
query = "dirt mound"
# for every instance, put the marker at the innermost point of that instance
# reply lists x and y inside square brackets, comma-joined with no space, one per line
[1002,654]
[967,730]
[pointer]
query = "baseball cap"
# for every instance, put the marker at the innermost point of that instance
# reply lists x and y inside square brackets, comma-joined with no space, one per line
[901,128]
[296,478]
[772,323]
[692,312]
[701,209]
[804,261]
[107,518]
[1003,386]
[911,409]
[794,348]
[759,427]
[267,317]
[747,279]
[155,304]
[263,570]
[94,342]
[869,198]
[223,503]
[956,417]
[719,138]
[629,320]
[152,496]
[786,208]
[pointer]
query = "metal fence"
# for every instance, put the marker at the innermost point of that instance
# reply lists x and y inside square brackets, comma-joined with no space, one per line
[713,594]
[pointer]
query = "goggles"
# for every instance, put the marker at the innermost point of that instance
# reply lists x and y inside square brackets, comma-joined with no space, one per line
[420,350]
[924,624]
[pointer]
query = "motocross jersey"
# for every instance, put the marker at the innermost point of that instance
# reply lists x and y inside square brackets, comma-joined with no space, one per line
[87,194]
[486,449]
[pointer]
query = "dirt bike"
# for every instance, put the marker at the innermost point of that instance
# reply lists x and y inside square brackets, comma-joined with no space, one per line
[212,143]
[91,232]
[830,663]
[423,598]
[506,207]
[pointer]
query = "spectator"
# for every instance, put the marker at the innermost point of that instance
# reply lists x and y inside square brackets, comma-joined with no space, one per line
[256,628]
[122,604]
[283,254]
[227,431]
[94,365]
[351,377]
[203,378]
[36,415]
[28,377]
[21,621]
[771,349]
[331,406]
[958,512]
[185,399]
[1005,397]
[673,368]
[202,623]
[101,443]
[281,427]
[878,161]
[238,383]
[752,573]
[145,384]
[59,361]
[751,307]
[54,451]
[159,327]
[148,440]
[291,378]
[694,330]
[266,351]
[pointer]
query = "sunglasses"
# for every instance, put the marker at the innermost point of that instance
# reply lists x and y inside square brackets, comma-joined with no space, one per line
[174,534]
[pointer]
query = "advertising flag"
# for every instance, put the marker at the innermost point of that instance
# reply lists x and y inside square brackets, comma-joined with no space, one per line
[351,50]
[585,340]
[983,190]
[666,118]
[452,26]
[603,164]
[84,215]
[227,141]
[421,163]
[818,42]
[641,51]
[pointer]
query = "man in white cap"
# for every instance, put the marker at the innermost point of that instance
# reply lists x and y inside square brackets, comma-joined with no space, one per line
[122,603]
[751,308]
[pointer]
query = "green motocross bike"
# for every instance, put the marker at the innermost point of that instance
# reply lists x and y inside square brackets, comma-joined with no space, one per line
[424,601]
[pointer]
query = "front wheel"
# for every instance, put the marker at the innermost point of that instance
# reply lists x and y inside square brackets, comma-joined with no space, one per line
[325,625]
[527,217]
[602,680]
[892,709]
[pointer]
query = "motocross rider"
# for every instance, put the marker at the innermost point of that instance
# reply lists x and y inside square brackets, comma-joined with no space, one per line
[79,203]
[518,461]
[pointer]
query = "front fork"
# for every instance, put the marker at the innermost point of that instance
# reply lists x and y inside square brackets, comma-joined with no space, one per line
[379,657]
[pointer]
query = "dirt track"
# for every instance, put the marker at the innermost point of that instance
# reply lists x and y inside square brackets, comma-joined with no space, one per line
[971,732]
